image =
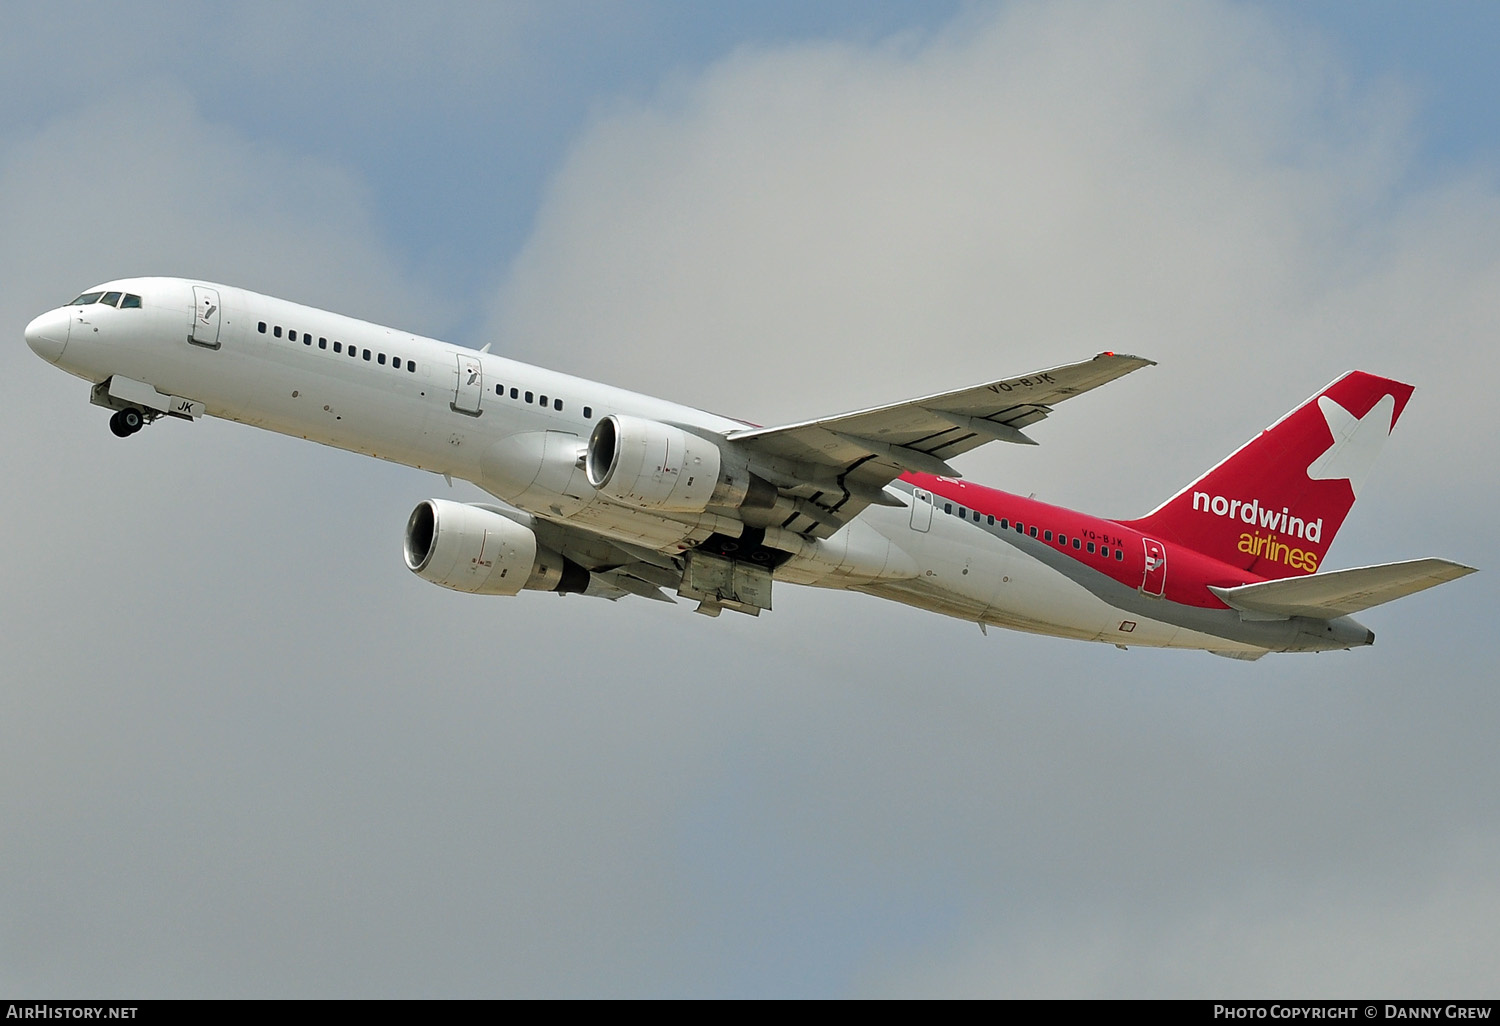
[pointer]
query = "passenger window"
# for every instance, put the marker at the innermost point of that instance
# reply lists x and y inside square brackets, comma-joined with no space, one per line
[541,401]
[1119,554]
[381,360]
[1032,532]
[262,327]
[338,347]
[322,342]
[110,298]
[1020,529]
[500,390]
[976,516]
[962,512]
[292,334]
[557,405]
[354,351]
[992,520]
[1091,548]
[515,394]
[396,362]
[276,331]
[367,356]
[948,508]
[1046,536]
[306,339]
[1077,543]
[528,397]
[588,413]
[133,302]
[411,366]
[1004,524]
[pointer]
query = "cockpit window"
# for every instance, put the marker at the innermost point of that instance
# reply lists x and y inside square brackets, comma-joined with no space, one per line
[124,300]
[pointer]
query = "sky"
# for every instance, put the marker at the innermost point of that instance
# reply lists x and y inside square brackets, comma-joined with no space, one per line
[245,753]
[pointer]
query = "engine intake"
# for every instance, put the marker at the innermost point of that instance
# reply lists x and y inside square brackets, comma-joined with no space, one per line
[468,548]
[655,466]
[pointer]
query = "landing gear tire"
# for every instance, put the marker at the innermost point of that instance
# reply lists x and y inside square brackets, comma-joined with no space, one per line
[126,422]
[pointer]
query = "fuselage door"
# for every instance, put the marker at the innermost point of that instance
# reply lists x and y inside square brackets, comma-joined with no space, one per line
[921,510]
[205,317]
[1154,582]
[470,384]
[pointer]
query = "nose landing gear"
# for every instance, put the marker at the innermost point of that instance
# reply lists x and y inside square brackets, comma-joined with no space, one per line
[126,422]
[136,404]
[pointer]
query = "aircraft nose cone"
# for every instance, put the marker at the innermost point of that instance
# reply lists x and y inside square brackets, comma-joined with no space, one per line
[48,334]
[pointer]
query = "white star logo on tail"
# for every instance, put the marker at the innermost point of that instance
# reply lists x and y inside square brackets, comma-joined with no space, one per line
[1356,441]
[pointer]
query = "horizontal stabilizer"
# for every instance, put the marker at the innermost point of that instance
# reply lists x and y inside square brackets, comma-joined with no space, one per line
[1341,592]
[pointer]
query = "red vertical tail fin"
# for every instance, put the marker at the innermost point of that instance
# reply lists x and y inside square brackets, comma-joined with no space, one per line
[1274,506]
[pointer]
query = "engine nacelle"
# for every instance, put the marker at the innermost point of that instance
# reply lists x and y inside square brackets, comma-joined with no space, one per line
[656,466]
[468,548]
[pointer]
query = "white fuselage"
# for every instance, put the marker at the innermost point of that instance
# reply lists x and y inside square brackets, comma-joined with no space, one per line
[518,431]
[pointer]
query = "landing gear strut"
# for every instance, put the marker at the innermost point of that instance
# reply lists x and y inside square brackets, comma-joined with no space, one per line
[126,422]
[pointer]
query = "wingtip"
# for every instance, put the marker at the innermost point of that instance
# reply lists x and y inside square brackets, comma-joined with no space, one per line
[1449,570]
[1110,354]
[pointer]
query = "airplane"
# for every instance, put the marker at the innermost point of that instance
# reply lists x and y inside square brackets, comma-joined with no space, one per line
[610,493]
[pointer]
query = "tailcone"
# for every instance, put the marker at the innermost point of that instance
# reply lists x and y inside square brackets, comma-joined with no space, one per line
[1342,633]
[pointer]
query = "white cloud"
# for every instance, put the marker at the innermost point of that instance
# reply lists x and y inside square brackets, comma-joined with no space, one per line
[249,754]
[142,183]
[368,67]
[817,227]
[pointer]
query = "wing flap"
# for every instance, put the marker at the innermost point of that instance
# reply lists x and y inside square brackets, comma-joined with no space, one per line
[1342,592]
[629,579]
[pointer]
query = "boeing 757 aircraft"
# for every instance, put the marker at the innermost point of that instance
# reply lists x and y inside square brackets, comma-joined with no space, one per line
[609,493]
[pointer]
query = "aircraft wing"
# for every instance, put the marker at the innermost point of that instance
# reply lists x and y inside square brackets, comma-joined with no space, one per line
[1341,592]
[842,464]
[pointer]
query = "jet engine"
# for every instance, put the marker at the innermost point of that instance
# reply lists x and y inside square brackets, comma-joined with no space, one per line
[654,466]
[473,549]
